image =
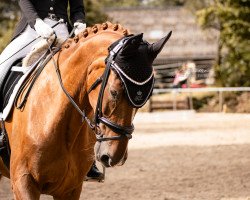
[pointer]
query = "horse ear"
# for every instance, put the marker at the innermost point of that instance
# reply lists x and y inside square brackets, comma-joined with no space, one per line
[156,47]
[132,44]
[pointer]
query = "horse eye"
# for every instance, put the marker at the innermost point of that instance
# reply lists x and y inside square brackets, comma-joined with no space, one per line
[114,94]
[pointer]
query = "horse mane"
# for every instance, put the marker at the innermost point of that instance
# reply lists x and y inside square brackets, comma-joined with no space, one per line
[96,30]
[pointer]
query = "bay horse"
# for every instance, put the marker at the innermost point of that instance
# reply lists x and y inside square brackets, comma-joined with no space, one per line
[81,108]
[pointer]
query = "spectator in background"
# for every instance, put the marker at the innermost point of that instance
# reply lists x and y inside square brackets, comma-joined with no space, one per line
[184,76]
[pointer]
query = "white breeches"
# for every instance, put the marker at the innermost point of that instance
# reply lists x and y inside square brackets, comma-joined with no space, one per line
[23,39]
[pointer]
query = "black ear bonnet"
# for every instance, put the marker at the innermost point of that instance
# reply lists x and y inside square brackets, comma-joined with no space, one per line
[132,61]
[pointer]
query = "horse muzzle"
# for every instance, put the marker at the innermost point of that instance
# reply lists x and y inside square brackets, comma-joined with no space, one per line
[108,160]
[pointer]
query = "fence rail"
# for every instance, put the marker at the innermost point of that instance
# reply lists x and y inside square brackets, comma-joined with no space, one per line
[211,89]
[190,91]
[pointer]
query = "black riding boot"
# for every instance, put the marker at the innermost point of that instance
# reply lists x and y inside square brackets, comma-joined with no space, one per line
[94,174]
[4,153]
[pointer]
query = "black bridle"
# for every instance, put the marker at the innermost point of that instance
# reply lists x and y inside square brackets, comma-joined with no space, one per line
[122,131]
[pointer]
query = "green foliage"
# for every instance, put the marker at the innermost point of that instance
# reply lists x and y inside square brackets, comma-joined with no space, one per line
[8,18]
[231,19]
[94,13]
[194,5]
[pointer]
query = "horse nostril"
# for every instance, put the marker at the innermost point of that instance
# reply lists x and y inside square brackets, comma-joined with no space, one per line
[105,160]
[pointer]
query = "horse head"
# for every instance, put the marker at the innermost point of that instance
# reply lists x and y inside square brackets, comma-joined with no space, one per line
[122,86]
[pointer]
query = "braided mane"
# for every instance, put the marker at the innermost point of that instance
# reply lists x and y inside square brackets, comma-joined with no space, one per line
[95,30]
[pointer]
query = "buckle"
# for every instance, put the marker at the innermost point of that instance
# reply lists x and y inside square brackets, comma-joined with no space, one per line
[2,140]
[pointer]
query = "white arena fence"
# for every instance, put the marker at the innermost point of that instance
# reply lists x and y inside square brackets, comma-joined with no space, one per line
[190,91]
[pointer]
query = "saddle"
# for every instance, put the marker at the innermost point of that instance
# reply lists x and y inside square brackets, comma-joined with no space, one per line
[24,72]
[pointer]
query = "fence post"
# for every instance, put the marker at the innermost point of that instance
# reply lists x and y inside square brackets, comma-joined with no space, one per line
[174,100]
[150,104]
[191,107]
[221,101]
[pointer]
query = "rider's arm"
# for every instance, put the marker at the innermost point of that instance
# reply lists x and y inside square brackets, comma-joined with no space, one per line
[29,11]
[33,19]
[77,13]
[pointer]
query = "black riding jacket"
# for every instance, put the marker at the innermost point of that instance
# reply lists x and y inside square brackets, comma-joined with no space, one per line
[33,9]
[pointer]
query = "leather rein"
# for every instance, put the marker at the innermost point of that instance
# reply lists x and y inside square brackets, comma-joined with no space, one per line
[122,131]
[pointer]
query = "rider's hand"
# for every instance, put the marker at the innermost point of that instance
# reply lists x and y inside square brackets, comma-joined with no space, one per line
[43,29]
[79,27]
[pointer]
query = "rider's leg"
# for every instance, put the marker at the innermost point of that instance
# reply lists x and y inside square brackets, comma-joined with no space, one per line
[18,43]
[5,64]
[94,174]
[23,39]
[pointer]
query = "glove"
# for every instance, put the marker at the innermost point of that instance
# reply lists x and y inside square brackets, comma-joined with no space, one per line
[79,27]
[43,29]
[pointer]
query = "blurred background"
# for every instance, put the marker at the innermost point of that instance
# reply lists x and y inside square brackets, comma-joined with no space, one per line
[192,138]
[209,47]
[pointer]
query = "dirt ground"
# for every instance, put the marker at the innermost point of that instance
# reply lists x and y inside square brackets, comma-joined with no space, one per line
[178,156]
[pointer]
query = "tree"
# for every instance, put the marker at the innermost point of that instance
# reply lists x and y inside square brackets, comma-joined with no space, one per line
[231,19]
[194,5]
[8,18]
[94,13]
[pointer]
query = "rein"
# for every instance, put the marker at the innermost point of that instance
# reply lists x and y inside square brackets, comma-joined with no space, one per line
[82,113]
[55,63]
